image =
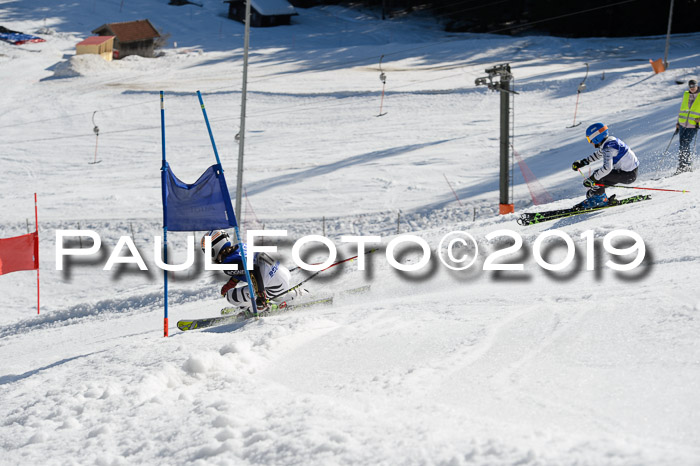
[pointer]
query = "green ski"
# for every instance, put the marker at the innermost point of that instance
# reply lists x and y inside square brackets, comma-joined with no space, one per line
[230,318]
[539,217]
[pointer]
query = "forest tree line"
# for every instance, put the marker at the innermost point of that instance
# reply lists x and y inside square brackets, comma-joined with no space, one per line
[615,18]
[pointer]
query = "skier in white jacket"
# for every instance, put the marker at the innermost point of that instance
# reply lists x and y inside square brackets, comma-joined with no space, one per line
[269,277]
[620,165]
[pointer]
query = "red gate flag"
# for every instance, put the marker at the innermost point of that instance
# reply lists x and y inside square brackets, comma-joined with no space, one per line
[19,253]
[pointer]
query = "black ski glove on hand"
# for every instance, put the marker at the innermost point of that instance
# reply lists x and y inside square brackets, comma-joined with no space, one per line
[590,182]
[578,164]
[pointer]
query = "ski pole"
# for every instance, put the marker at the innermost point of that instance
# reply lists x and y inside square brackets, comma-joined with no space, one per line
[335,263]
[312,276]
[669,142]
[584,176]
[637,187]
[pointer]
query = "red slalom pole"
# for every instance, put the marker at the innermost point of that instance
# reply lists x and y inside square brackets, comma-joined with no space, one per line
[453,191]
[36,252]
[637,187]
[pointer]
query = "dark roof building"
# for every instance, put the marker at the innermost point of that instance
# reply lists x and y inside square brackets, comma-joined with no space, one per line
[262,12]
[132,37]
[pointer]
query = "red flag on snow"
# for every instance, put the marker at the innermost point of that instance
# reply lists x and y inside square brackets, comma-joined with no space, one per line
[19,253]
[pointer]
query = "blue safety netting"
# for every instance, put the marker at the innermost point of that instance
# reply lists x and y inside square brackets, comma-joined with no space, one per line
[203,205]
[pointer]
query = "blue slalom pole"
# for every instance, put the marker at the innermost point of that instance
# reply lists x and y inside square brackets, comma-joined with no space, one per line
[251,290]
[163,178]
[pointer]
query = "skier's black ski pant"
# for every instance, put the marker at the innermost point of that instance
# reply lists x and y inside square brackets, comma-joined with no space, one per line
[613,178]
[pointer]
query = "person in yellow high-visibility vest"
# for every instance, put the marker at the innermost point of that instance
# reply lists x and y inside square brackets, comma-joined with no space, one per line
[688,121]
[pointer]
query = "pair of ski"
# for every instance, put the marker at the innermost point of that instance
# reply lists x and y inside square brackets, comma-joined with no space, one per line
[232,315]
[539,217]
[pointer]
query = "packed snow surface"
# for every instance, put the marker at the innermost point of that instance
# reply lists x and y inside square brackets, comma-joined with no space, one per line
[585,365]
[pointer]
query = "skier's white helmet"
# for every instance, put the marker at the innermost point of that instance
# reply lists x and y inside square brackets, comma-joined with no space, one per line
[219,241]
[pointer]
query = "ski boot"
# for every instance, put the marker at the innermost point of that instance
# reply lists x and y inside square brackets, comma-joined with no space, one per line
[683,169]
[247,312]
[262,304]
[599,200]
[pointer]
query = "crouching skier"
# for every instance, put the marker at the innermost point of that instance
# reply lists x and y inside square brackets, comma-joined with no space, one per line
[620,165]
[269,277]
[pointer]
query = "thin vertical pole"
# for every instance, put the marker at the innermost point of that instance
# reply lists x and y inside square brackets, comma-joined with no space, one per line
[244,94]
[97,136]
[505,136]
[165,216]
[251,290]
[211,135]
[382,78]
[239,239]
[578,94]
[581,88]
[510,141]
[36,253]
[453,191]
[668,35]
[381,102]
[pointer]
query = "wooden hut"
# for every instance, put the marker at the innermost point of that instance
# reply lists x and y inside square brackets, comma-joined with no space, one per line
[262,12]
[99,45]
[132,37]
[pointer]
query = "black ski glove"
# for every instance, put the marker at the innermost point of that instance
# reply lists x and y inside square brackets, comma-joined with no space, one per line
[579,163]
[590,182]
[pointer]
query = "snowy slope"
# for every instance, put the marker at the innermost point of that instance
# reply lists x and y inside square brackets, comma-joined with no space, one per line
[432,367]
